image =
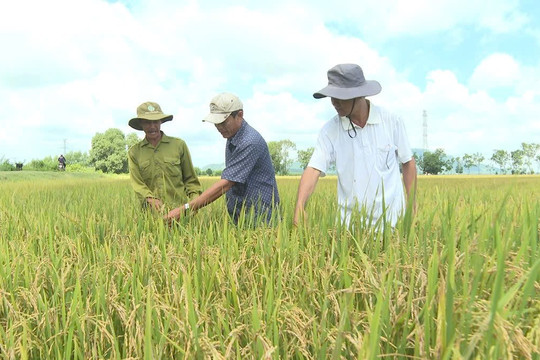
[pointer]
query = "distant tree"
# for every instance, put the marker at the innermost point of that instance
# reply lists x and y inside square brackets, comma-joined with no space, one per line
[468,162]
[501,158]
[209,172]
[434,162]
[108,152]
[517,161]
[450,161]
[304,156]
[131,139]
[530,153]
[478,159]
[280,155]
[459,166]
[77,157]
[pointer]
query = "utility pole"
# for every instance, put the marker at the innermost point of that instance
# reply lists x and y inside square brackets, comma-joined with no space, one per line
[425,145]
[65,140]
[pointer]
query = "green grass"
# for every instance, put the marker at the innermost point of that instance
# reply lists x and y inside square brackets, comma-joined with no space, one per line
[85,274]
[51,175]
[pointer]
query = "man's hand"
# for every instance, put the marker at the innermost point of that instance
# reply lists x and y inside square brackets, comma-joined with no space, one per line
[155,204]
[308,181]
[174,214]
[299,215]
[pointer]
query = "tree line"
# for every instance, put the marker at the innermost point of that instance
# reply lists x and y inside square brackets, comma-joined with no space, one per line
[108,154]
[520,161]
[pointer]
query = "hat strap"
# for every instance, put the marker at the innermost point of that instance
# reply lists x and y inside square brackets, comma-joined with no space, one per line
[350,121]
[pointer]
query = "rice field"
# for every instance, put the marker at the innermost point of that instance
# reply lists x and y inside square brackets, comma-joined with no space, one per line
[85,274]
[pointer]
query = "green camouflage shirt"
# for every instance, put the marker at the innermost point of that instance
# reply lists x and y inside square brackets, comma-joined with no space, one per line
[164,172]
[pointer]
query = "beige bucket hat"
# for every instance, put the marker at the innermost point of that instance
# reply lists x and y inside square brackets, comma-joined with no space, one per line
[149,111]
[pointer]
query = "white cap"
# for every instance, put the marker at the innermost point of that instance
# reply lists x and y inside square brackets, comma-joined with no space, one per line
[222,106]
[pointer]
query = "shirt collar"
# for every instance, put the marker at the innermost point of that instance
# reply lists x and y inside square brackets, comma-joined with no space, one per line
[234,140]
[374,117]
[164,139]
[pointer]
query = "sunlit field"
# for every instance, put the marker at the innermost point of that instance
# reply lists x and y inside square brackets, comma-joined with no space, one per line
[85,274]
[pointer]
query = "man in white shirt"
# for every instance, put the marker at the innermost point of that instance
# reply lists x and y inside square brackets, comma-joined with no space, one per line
[365,142]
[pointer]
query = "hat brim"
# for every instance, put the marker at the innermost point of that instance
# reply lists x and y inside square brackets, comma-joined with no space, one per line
[217,118]
[136,122]
[368,88]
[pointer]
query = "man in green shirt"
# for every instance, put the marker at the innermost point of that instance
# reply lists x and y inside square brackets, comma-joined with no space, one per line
[160,166]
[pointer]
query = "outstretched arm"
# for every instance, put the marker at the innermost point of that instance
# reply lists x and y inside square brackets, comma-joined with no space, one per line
[308,181]
[210,195]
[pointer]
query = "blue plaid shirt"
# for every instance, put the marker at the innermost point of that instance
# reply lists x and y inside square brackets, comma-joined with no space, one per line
[248,164]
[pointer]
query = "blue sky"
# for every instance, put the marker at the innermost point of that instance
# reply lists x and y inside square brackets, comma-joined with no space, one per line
[78,67]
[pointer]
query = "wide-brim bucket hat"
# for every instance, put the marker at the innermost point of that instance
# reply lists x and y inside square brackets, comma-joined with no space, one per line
[347,81]
[149,111]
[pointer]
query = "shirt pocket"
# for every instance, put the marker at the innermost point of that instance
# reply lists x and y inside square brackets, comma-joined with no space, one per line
[386,157]
[146,170]
[172,167]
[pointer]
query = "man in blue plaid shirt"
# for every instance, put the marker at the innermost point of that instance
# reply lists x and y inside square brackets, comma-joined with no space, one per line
[248,179]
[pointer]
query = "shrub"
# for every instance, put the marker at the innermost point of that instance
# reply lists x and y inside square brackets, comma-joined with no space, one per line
[46,164]
[5,165]
[79,168]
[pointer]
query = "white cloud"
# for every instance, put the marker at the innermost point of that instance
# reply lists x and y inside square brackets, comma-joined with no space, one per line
[496,70]
[380,21]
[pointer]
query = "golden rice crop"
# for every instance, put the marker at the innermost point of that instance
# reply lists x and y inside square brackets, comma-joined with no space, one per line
[85,274]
